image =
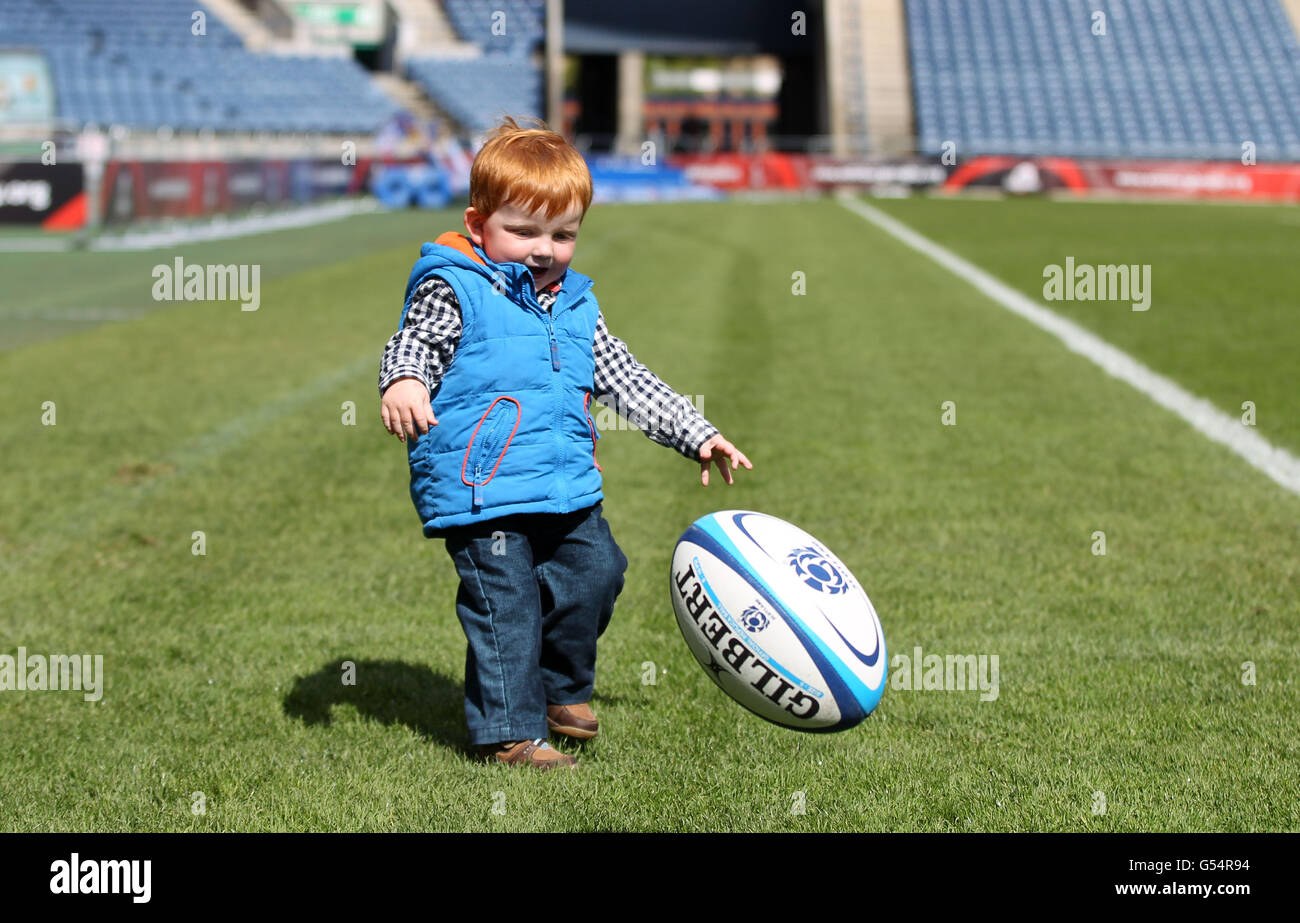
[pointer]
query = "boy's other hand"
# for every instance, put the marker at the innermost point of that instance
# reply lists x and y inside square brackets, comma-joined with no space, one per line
[406,408]
[726,455]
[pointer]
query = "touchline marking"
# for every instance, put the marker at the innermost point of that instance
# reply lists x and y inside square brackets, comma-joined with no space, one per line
[1277,463]
[219,227]
[34,244]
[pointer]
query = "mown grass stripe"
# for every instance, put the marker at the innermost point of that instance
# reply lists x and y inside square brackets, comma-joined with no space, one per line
[1276,462]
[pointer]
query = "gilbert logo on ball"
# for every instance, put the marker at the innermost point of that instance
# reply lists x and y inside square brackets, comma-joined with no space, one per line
[778,621]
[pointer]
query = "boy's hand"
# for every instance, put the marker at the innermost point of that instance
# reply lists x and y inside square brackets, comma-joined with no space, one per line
[406,407]
[726,455]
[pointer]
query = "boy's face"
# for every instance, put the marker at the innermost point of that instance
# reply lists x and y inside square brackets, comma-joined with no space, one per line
[515,235]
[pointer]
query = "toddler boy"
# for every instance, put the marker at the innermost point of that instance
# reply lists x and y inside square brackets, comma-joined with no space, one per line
[502,349]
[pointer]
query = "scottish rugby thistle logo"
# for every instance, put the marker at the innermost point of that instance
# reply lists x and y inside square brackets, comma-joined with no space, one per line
[813,569]
[754,618]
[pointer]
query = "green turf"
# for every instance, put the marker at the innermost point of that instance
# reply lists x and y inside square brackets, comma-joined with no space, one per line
[93,287]
[1118,674]
[1224,278]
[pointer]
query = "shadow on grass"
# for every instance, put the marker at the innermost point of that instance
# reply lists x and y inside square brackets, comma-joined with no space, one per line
[610,698]
[389,691]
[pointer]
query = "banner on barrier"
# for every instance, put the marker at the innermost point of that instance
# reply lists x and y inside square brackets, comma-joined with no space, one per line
[1140,178]
[776,170]
[135,190]
[1012,174]
[47,195]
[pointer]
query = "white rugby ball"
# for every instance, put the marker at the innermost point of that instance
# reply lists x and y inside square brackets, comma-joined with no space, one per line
[778,621]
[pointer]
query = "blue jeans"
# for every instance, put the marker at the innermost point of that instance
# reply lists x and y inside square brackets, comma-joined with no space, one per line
[536,591]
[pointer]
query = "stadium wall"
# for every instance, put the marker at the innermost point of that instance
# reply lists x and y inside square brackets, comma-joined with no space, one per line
[785,172]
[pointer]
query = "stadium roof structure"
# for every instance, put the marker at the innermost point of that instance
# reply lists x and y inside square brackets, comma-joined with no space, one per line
[687,27]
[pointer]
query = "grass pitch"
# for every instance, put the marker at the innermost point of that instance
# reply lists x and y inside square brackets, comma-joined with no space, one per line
[1121,703]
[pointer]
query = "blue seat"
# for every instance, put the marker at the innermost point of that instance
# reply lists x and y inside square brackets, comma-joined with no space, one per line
[476,91]
[1171,78]
[137,62]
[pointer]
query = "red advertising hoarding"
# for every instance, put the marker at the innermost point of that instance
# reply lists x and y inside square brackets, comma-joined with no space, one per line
[1139,178]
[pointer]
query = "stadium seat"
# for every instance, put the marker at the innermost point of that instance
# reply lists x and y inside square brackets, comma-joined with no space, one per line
[137,63]
[477,91]
[1169,78]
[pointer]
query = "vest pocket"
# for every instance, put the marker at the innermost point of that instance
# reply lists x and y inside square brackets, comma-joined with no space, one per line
[488,444]
[586,405]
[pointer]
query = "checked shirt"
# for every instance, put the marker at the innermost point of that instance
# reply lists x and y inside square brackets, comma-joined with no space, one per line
[424,346]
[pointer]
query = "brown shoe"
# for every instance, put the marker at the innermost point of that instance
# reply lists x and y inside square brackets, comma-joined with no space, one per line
[536,753]
[572,720]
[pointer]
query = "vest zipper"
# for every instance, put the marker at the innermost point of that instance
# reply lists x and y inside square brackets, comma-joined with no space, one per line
[556,415]
[555,347]
[487,444]
[586,409]
[484,447]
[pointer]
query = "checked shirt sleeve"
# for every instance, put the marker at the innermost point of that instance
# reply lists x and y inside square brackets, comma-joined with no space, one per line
[631,389]
[423,347]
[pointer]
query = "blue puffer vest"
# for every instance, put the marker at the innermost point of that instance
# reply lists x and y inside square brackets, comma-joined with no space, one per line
[515,432]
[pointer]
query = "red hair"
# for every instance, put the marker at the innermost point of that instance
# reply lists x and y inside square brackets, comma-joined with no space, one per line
[532,168]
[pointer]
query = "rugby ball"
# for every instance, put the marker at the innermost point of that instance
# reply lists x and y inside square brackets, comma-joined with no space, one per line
[778,621]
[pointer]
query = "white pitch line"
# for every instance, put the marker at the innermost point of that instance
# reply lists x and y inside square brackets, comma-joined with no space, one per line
[219,227]
[34,244]
[1277,463]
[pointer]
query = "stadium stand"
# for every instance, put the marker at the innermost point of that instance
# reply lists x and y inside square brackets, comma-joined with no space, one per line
[1169,78]
[137,63]
[477,91]
[502,78]
[499,26]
